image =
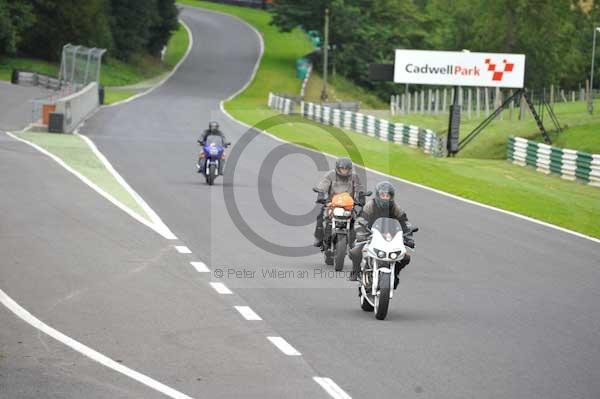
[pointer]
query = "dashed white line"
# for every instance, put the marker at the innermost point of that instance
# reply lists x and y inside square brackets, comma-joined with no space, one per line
[331,388]
[87,351]
[182,249]
[200,267]
[247,312]
[221,288]
[283,346]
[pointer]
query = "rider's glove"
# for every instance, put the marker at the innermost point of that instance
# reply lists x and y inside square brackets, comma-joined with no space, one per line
[409,242]
[320,198]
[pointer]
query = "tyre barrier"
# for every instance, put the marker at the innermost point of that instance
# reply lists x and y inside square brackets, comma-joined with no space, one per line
[568,164]
[382,129]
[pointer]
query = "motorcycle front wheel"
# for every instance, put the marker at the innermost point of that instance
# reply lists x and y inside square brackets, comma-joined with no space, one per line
[382,299]
[340,252]
[211,175]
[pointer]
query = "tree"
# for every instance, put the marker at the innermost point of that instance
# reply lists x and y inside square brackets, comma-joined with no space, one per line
[130,26]
[67,21]
[163,27]
[15,18]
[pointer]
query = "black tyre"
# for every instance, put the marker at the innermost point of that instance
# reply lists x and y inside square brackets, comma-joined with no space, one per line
[365,305]
[382,300]
[211,175]
[340,252]
[328,257]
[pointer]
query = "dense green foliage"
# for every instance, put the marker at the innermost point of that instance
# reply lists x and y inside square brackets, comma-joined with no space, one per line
[555,35]
[15,18]
[127,28]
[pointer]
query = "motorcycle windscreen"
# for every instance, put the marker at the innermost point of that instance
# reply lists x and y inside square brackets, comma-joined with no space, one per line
[214,140]
[388,228]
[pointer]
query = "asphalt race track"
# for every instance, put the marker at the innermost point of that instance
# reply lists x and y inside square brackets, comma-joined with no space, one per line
[492,306]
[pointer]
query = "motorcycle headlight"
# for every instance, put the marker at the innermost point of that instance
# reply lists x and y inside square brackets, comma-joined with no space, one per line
[393,255]
[214,152]
[380,253]
[339,212]
[347,213]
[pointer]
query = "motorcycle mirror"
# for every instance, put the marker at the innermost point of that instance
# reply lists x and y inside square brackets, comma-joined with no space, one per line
[316,190]
[368,193]
[414,229]
[227,144]
[363,222]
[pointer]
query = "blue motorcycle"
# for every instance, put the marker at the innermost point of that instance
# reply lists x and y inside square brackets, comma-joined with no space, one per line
[212,158]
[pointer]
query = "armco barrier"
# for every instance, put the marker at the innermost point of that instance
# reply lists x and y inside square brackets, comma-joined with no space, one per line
[76,107]
[371,126]
[568,164]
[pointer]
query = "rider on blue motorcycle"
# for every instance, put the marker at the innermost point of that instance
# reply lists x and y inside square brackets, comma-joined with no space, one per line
[213,129]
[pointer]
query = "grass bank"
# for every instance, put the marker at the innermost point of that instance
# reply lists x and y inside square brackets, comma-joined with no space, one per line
[493,182]
[78,155]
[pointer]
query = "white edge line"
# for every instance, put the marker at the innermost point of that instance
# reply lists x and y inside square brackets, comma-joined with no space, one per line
[151,89]
[456,197]
[87,351]
[331,388]
[200,267]
[247,313]
[149,211]
[284,346]
[221,288]
[182,249]
[94,187]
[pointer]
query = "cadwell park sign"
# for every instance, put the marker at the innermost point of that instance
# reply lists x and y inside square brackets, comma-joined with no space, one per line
[454,68]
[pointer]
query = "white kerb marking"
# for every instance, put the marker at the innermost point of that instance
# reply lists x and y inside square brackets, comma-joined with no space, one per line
[86,351]
[221,288]
[247,313]
[331,388]
[200,267]
[283,346]
[182,249]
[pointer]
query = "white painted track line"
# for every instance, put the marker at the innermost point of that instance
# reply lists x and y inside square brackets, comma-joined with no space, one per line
[331,388]
[247,313]
[164,233]
[283,346]
[89,352]
[160,225]
[221,288]
[182,249]
[200,267]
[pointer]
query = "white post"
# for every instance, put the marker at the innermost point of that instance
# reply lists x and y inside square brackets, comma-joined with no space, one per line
[444,104]
[487,101]
[469,101]
[478,94]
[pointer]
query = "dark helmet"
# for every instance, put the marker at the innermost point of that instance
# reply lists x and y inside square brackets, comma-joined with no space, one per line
[343,163]
[382,188]
[213,126]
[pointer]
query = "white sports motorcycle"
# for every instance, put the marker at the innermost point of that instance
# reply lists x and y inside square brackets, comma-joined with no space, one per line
[382,251]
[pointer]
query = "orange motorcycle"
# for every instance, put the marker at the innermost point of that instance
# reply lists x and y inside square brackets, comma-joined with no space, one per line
[340,214]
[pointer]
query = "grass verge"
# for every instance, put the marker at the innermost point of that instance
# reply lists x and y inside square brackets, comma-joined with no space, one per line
[494,182]
[78,155]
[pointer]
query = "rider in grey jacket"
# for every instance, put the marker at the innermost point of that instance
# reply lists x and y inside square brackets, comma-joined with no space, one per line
[337,181]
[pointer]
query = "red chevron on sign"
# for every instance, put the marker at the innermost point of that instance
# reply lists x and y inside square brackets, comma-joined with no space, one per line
[497,75]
